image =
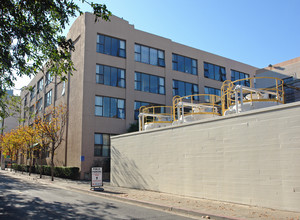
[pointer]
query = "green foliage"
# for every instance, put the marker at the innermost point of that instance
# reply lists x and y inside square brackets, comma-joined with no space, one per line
[133,127]
[61,172]
[31,37]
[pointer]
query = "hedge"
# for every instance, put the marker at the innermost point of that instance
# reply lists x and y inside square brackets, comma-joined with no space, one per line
[62,172]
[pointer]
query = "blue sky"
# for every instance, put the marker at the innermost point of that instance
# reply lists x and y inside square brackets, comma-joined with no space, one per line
[255,32]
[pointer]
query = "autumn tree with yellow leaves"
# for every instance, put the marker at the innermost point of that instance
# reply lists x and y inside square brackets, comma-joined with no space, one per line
[28,136]
[53,130]
[10,144]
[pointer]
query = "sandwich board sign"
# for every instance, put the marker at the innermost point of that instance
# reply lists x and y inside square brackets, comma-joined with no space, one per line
[97,177]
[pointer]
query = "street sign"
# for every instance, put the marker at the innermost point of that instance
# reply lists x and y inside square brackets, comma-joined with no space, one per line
[96,177]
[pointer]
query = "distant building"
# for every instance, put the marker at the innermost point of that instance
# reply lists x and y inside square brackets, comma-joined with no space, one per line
[6,125]
[289,71]
[9,122]
[118,70]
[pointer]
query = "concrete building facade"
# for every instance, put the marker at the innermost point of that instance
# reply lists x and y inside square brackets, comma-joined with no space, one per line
[249,158]
[10,122]
[118,69]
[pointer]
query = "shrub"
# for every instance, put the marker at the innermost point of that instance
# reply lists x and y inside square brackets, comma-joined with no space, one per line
[62,172]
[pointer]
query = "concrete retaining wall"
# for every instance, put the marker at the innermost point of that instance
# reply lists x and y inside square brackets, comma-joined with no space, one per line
[252,158]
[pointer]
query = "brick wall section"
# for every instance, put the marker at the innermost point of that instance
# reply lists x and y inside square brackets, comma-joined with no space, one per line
[251,158]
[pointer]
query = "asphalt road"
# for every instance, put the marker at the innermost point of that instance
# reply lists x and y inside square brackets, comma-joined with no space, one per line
[25,200]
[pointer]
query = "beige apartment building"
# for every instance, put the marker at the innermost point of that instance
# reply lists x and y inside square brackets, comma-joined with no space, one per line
[119,69]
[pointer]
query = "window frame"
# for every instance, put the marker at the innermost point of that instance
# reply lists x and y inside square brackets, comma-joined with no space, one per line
[193,64]
[32,92]
[140,104]
[39,105]
[207,90]
[140,79]
[243,82]
[194,88]
[100,77]
[48,97]
[107,111]
[139,55]
[49,79]
[40,85]
[107,46]
[207,73]
[101,145]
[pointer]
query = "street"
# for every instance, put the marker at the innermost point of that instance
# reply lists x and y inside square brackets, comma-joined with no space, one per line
[25,200]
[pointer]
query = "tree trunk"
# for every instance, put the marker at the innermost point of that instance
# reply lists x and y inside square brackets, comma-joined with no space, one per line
[41,167]
[52,161]
[30,163]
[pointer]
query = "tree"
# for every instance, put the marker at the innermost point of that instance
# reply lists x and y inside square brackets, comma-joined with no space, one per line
[10,144]
[31,37]
[133,127]
[29,140]
[54,130]
[43,141]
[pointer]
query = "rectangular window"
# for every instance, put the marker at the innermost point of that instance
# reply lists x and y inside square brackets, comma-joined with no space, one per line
[110,76]
[25,100]
[40,85]
[149,83]
[138,104]
[49,79]
[39,105]
[214,72]
[32,92]
[212,91]
[31,110]
[102,145]
[48,98]
[236,75]
[184,64]
[109,107]
[48,118]
[111,46]
[149,55]
[184,89]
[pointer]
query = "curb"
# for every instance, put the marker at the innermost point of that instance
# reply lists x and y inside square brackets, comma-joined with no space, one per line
[102,194]
[157,206]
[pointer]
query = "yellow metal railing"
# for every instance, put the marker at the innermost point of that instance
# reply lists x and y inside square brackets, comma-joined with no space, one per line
[195,105]
[155,114]
[252,90]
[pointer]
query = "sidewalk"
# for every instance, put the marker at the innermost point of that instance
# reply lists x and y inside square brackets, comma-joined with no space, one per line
[194,207]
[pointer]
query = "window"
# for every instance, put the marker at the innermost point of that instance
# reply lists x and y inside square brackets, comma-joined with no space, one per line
[48,98]
[49,79]
[111,46]
[102,145]
[149,55]
[25,100]
[31,110]
[138,104]
[214,72]
[149,83]
[40,85]
[184,89]
[39,105]
[236,75]
[24,114]
[109,107]
[184,64]
[110,76]
[213,91]
[48,118]
[32,92]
